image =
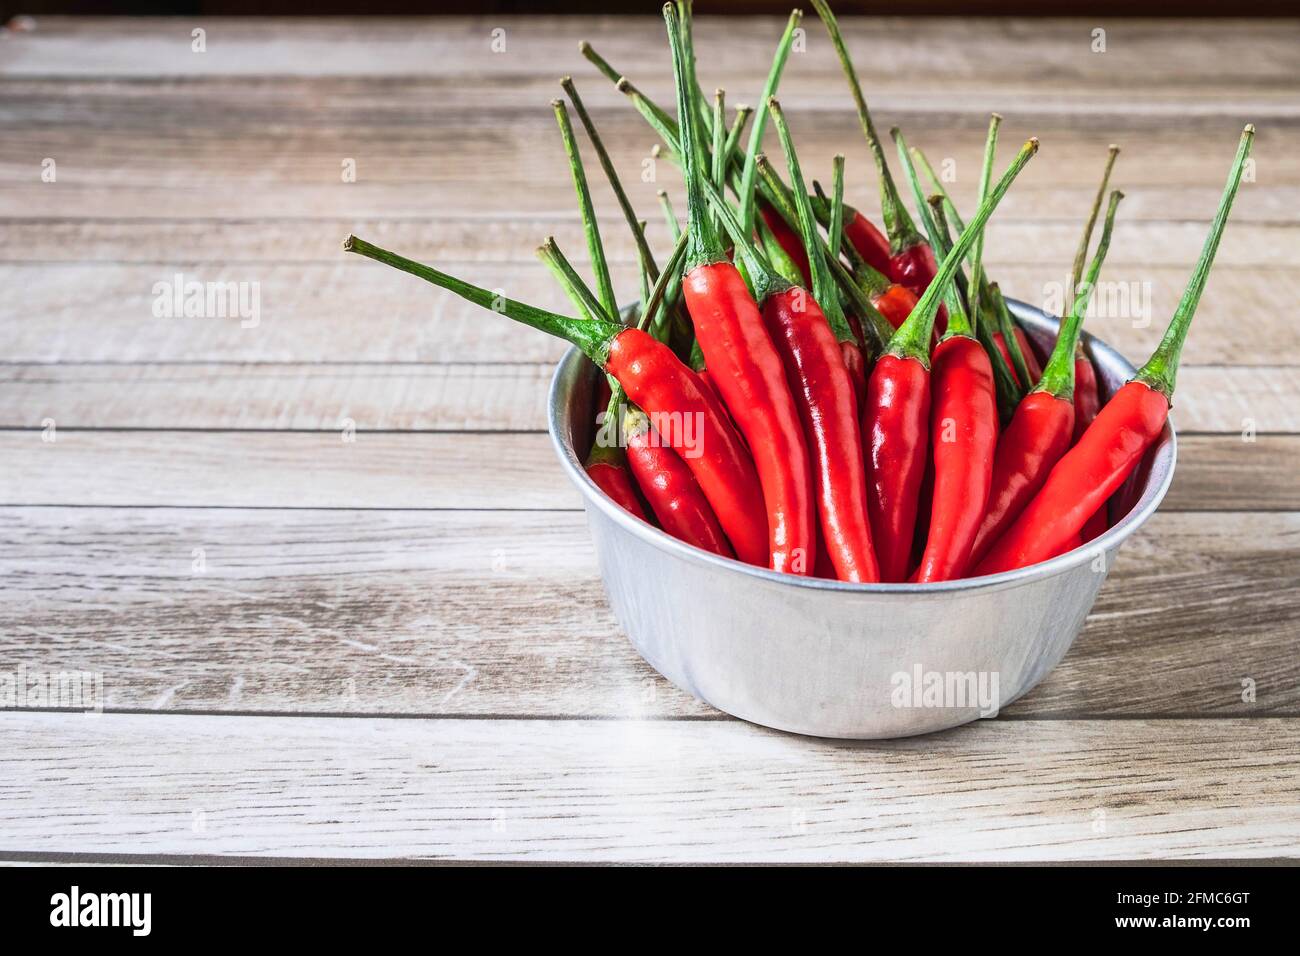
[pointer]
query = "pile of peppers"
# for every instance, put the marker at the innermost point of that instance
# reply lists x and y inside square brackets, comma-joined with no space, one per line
[800,390]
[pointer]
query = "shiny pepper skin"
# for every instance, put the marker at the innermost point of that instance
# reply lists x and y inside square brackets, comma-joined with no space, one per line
[895,303]
[896,429]
[656,380]
[1083,479]
[616,482]
[1038,435]
[869,241]
[744,366]
[826,397]
[672,491]
[964,434]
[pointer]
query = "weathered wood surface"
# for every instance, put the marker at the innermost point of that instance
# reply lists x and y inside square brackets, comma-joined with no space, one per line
[482,613]
[455,470]
[354,310]
[200,533]
[645,790]
[454,397]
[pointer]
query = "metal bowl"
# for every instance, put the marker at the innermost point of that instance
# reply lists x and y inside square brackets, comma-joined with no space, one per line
[830,659]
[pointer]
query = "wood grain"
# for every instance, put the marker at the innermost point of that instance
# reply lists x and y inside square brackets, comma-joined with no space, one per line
[462,470]
[359,311]
[1050,55]
[200,533]
[646,791]
[455,397]
[503,613]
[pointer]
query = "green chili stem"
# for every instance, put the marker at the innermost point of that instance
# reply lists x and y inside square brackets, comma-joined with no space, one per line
[611,174]
[595,249]
[579,293]
[977,260]
[899,225]
[782,263]
[733,135]
[983,290]
[659,121]
[699,113]
[1007,326]
[823,286]
[1007,390]
[670,275]
[1058,376]
[871,280]
[668,130]
[704,247]
[750,169]
[835,230]
[670,217]
[1081,254]
[718,172]
[592,336]
[587,50]
[959,322]
[1161,369]
[764,280]
[913,338]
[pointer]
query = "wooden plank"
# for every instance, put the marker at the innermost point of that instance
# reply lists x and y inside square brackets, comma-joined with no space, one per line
[144,151]
[358,311]
[454,470]
[376,397]
[1046,54]
[501,239]
[483,127]
[503,613]
[455,397]
[646,791]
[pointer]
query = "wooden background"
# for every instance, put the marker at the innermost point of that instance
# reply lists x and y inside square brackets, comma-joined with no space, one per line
[397,646]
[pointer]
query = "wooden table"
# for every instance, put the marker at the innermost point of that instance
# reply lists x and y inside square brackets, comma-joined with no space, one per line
[341,600]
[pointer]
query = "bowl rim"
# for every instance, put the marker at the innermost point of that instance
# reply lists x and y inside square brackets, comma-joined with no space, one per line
[1165,456]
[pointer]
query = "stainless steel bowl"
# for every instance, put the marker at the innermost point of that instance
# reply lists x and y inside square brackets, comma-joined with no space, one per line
[830,659]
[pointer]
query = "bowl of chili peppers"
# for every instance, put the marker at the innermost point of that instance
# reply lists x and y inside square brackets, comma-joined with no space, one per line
[839,484]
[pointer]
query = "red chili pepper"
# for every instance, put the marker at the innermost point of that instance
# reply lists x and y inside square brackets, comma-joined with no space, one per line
[1031,360]
[964,428]
[1122,432]
[896,421]
[616,481]
[1087,394]
[964,433]
[869,241]
[896,427]
[1095,526]
[1075,542]
[657,381]
[739,352]
[814,357]
[671,489]
[1043,425]
[895,303]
